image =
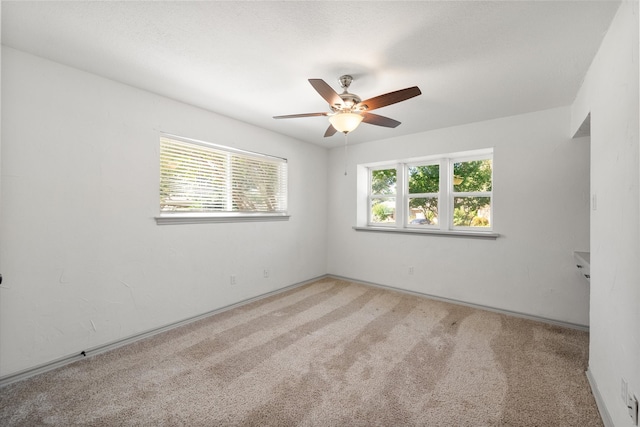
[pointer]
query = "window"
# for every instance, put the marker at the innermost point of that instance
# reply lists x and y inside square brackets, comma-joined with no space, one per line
[203,180]
[472,184]
[382,197]
[442,193]
[423,194]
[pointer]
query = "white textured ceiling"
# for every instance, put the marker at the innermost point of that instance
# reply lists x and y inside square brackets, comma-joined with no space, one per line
[473,60]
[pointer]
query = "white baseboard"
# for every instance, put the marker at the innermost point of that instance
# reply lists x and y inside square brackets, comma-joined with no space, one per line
[65,360]
[604,414]
[468,304]
[57,363]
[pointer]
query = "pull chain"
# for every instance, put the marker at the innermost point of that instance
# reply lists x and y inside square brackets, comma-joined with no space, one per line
[345,152]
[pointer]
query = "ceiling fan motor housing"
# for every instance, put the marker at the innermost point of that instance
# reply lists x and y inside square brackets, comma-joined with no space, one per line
[349,100]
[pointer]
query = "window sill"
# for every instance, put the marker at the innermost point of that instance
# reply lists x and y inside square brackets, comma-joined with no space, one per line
[442,233]
[199,219]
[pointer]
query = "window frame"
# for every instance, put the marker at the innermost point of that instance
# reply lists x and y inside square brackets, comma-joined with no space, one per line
[186,217]
[407,195]
[446,196]
[453,194]
[371,196]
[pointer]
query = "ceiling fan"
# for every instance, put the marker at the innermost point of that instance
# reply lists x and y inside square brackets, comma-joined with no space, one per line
[348,110]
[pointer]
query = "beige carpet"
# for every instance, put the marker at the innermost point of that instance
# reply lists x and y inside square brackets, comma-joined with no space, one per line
[331,353]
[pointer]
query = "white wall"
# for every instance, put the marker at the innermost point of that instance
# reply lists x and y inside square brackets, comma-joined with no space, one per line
[541,210]
[83,260]
[610,93]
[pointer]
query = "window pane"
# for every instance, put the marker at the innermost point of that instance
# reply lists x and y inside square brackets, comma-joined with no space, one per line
[424,179]
[472,212]
[423,211]
[383,210]
[383,181]
[472,176]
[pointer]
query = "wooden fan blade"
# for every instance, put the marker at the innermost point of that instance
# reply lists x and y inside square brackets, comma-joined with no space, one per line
[374,119]
[326,91]
[295,116]
[330,131]
[390,98]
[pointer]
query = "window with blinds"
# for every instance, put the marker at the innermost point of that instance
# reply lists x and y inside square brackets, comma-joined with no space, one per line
[200,178]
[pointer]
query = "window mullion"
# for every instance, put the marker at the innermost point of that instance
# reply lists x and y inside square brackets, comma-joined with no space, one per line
[401,195]
[369,196]
[229,188]
[445,201]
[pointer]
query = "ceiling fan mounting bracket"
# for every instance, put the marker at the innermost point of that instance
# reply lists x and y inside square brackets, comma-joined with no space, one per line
[345,81]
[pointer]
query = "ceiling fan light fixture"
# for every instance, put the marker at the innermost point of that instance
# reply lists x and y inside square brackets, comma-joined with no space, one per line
[348,110]
[345,122]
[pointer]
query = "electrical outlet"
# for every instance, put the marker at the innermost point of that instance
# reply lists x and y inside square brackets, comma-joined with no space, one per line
[265,273]
[632,405]
[411,270]
[233,279]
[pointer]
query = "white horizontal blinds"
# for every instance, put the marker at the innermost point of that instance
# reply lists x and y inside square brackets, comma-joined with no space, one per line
[258,184]
[192,177]
[198,178]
